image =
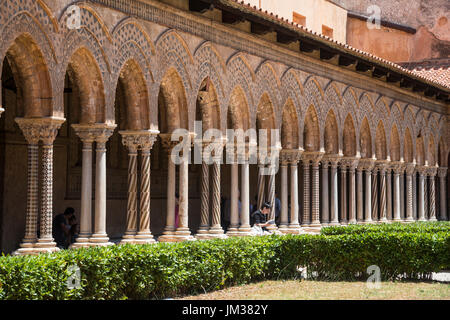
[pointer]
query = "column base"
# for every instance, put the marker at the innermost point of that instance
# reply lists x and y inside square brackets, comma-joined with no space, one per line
[422,220]
[334,224]
[368,222]
[232,231]
[245,231]
[353,222]
[35,250]
[409,220]
[344,223]
[81,242]
[144,238]
[383,221]
[295,229]
[433,219]
[100,240]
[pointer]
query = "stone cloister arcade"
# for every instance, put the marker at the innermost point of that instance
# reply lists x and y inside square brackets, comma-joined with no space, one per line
[88,113]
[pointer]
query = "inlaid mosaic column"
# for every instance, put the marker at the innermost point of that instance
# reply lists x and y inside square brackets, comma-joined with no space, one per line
[382,165]
[432,177]
[442,172]
[325,194]
[352,192]
[169,230]
[334,193]
[306,193]
[30,130]
[87,136]
[146,142]
[312,220]
[100,238]
[410,168]
[421,191]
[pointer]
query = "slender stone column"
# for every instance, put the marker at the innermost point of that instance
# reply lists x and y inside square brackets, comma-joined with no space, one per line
[382,165]
[398,169]
[261,185]
[313,197]
[245,228]
[425,195]
[334,193]
[432,177]
[271,197]
[352,193]
[306,193]
[31,132]
[410,167]
[359,201]
[368,165]
[132,208]
[402,195]
[203,231]
[100,238]
[87,136]
[234,214]
[442,172]
[421,209]
[375,194]
[169,230]
[344,202]
[325,196]
[414,192]
[146,141]
[183,233]
[284,219]
[294,226]
[389,194]
[216,230]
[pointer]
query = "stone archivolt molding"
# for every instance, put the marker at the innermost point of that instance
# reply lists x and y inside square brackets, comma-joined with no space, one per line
[134,32]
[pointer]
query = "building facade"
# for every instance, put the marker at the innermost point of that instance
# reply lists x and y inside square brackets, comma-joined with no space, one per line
[93,90]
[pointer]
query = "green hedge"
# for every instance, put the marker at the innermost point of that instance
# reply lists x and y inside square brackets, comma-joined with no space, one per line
[167,270]
[417,227]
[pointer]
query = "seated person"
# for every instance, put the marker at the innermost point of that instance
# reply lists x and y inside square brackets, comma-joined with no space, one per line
[259,217]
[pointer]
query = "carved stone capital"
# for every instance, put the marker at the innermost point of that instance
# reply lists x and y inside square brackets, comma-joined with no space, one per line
[410,169]
[422,170]
[366,164]
[398,167]
[36,129]
[332,159]
[432,171]
[349,163]
[290,156]
[312,157]
[442,172]
[382,166]
[135,140]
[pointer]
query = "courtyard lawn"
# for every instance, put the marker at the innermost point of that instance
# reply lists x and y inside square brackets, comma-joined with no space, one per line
[318,290]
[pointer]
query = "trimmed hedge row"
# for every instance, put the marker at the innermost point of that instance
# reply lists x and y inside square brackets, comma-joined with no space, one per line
[417,227]
[167,270]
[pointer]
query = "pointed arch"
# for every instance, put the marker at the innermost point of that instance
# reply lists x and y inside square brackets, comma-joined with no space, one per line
[238,110]
[289,127]
[349,147]
[207,106]
[380,142]
[331,142]
[365,140]
[311,132]
[172,103]
[395,144]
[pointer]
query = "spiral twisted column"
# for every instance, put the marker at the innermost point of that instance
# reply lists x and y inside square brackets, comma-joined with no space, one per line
[146,141]
[432,177]
[261,185]
[31,132]
[421,191]
[382,165]
[103,132]
[216,230]
[314,158]
[442,172]
[87,136]
[203,230]
[410,168]
[375,194]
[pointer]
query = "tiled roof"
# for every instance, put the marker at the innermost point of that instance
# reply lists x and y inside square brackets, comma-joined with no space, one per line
[437,70]
[427,77]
